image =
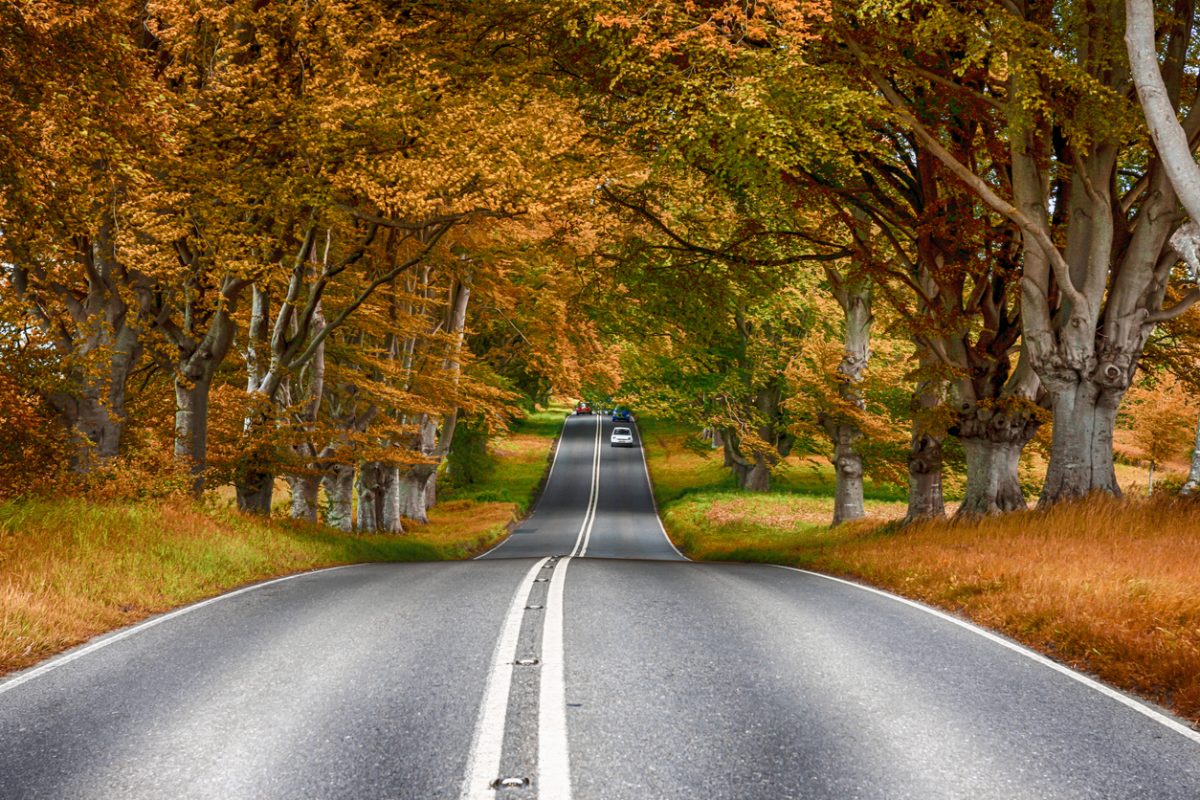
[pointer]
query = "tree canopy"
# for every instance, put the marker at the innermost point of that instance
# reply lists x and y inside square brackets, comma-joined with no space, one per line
[312,241]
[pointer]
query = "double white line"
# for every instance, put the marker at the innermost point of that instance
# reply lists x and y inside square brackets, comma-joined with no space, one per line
[554,760]
[589,517]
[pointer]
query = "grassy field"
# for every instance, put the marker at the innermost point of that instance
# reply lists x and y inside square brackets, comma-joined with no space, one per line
[1109,587]
[72,569]
[522,462]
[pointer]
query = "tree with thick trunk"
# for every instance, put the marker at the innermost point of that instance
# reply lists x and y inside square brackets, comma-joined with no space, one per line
[1095,253]
[95,332]
[926,499]
[853,294]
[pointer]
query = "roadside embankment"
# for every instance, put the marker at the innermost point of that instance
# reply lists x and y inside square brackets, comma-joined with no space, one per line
[71,568]
[1109,587]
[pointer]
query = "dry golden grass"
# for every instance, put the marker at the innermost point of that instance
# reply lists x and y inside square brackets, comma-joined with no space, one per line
[70,570]
[1107,586]
[1110,587]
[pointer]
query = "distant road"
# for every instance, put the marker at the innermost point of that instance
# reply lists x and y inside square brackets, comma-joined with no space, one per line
[582,658]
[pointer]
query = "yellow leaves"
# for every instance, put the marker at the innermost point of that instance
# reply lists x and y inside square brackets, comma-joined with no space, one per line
[1162,416]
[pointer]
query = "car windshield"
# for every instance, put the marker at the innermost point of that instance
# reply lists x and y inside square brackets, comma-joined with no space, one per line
[621,432]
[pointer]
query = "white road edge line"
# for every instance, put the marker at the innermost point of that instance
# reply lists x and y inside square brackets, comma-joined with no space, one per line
[483,762]
[67,658]
[1032,655]
[653,501]
[554,759]
[589,517]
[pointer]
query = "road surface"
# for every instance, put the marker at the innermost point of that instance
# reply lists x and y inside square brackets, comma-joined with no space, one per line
[582,658]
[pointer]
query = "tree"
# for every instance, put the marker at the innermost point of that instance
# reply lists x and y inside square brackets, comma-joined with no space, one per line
[1094,209]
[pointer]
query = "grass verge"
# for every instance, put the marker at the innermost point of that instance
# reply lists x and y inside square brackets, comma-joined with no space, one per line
[72,569]
[1109,587]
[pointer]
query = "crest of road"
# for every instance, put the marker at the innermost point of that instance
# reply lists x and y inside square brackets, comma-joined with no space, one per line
[584,657]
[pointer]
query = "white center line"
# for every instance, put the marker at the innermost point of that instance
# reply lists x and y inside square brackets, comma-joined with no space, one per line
[589,517]
[554,762]
[483,764]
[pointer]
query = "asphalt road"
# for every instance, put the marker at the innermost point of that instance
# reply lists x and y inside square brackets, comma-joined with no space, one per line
[584,658]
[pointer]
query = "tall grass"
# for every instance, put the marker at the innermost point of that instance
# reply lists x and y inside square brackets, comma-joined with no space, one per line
[72,568]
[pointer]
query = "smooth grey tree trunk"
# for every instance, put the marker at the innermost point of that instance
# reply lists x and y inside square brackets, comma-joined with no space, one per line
[413,500]
[854,297]
[752,474]
[370,499]
[431,491]
[993,486]
[390,519]
[848,503]
[194,373]
[96,427]
[339,497]
[304,496]
[926,499]
[1081,455]
[993,440]
[98,319]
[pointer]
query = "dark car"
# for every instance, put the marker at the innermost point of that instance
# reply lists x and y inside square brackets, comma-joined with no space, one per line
[622,415]
[583,408]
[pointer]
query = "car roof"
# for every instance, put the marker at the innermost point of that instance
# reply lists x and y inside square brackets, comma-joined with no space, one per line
[622,430]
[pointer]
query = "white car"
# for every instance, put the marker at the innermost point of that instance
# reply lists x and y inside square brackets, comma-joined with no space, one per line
[621,437]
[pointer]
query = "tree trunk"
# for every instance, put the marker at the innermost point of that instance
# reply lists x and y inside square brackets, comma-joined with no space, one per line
[339,497]
[370,499]
[993,485]
[754,477]
[304,496]
[390,519]
[96,431]
[413,500]
[925,497]
[1193,478]
[752,474]
[993,438]
[193,386]
[854,296]
[98,320]
[848,501]
[1081,455]
[191,425]
[255,490]
[431,491]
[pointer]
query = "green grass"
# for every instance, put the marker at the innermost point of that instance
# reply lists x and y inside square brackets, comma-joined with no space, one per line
[693,472]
